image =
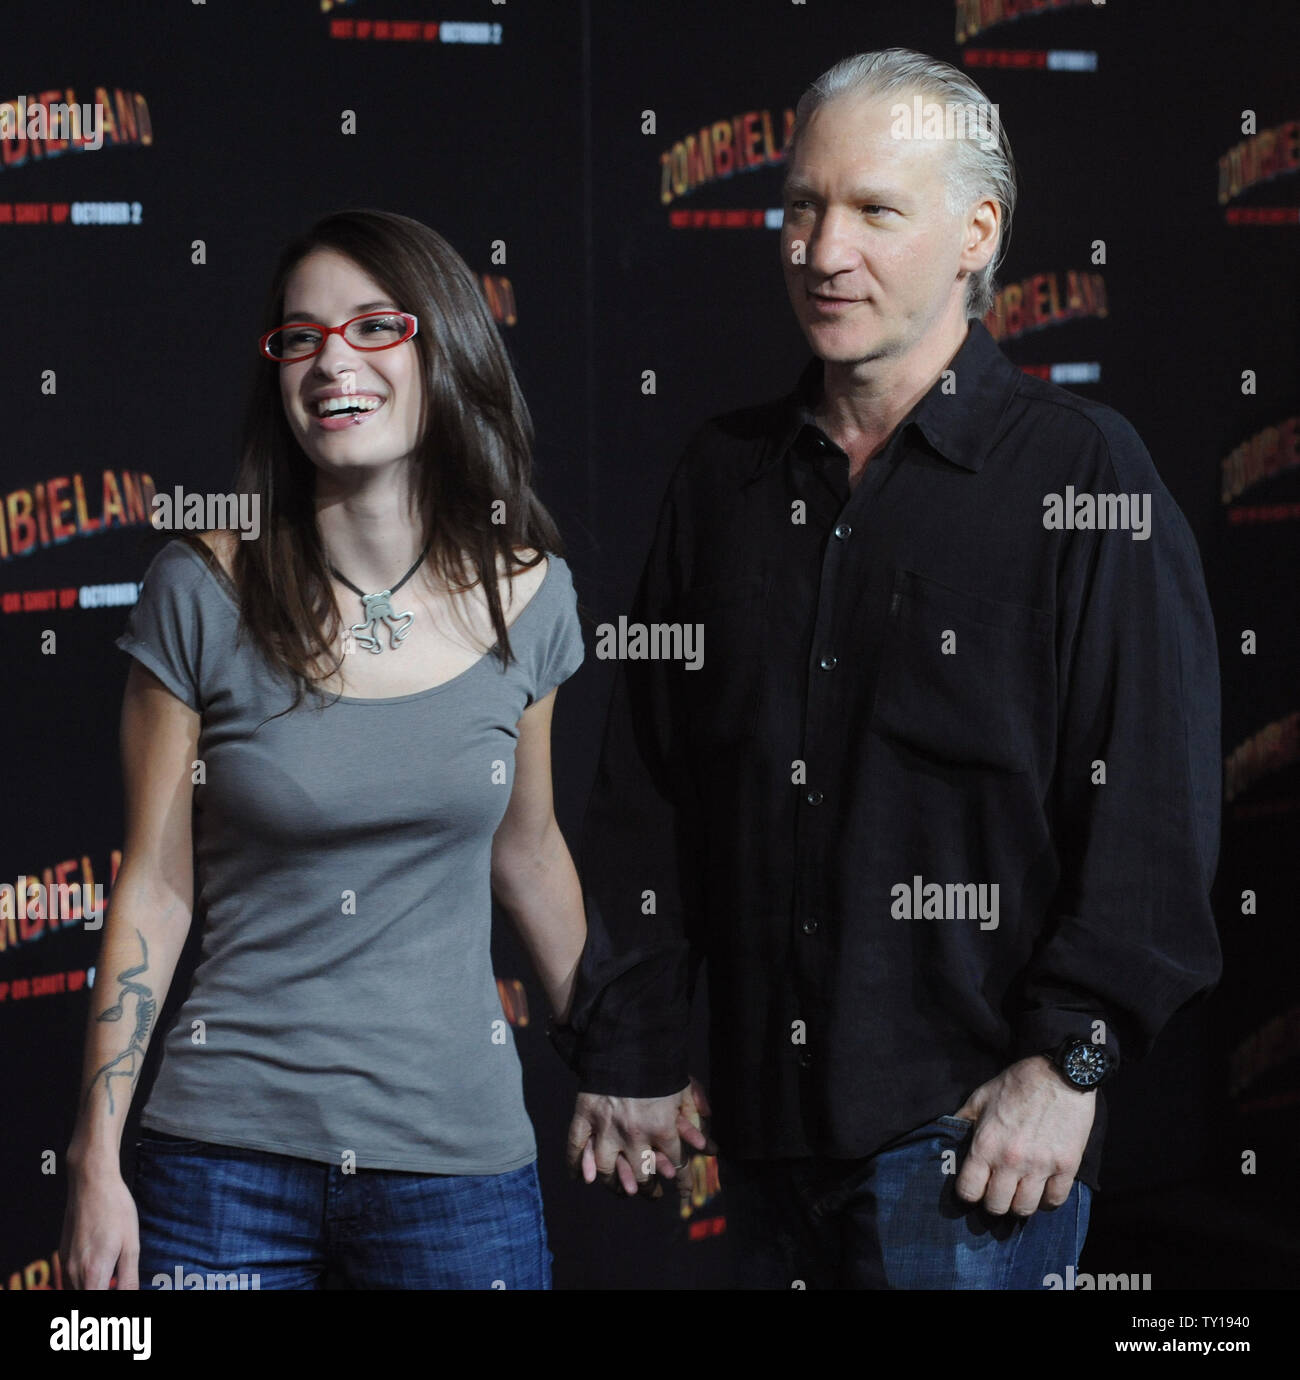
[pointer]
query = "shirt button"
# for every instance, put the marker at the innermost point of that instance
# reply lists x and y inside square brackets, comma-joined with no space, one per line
[814,797]
[829,663]
[805,1059]
[843,529]
[809,926]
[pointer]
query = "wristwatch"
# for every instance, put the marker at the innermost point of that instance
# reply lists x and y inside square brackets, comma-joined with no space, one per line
[1082,1064]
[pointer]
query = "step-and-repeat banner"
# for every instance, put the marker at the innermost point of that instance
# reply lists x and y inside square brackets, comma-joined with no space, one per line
[611,172]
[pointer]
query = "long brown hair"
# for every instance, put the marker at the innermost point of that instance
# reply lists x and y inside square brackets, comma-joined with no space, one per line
[473,462]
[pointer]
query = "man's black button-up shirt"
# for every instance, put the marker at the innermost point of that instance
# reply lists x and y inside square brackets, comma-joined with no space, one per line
[945,788]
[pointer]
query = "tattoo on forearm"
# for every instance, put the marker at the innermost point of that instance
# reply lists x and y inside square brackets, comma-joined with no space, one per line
[127,1064]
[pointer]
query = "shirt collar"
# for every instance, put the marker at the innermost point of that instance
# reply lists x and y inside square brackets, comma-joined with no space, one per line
[960,423]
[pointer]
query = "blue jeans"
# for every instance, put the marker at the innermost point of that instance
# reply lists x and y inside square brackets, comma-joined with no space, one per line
[256,1220]
[890,1221]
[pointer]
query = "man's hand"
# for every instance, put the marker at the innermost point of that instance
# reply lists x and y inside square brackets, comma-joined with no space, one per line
[626,1142]
[1028,1140]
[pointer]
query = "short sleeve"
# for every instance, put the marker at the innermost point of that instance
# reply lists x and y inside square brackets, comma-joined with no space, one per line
[560,650]
[163,631]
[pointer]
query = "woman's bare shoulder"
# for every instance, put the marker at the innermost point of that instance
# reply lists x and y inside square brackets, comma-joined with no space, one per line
[527,553]
[523,583]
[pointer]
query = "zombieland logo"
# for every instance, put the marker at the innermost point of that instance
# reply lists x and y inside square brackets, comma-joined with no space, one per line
[499,294]
[744,143]
[41,1273]
[35,128]
[702,1171]
[1274,450]
[26,918]
[1274,748]
[974,16]
[1266,154]
[47,514]
[1039,301]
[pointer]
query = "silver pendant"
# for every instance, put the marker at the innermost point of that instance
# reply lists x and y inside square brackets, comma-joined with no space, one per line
[379,609]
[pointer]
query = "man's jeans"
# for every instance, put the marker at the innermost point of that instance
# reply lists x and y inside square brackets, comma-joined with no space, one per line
[232,1218]
[890,1221]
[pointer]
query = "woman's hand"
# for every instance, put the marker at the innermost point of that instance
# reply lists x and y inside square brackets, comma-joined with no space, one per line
[101,1232]
[632,1143]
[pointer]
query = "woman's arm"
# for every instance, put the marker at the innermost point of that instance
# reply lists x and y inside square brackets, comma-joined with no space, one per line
[144,932]
[533,876]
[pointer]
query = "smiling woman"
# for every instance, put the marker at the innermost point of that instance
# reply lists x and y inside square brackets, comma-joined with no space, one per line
[386,314]
[348,847]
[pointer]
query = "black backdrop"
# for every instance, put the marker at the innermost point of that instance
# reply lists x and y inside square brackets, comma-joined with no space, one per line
[127,357]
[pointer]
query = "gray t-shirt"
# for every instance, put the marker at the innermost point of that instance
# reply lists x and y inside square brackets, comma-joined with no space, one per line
[344,999]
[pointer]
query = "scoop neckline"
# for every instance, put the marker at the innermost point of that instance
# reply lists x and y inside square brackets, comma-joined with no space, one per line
[415,694]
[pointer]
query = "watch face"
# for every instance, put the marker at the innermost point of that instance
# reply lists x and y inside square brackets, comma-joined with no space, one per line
[1085,1064]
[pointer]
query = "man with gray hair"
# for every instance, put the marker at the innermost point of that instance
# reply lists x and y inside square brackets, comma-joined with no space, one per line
[941,807]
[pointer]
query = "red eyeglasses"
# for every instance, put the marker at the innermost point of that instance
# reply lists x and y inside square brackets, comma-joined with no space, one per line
[375,330]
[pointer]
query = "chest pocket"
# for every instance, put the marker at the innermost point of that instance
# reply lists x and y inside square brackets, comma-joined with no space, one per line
[720,701]
[965,680]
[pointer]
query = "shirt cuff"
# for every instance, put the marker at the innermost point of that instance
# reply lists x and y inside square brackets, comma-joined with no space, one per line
[1041,1031]
[629,1070]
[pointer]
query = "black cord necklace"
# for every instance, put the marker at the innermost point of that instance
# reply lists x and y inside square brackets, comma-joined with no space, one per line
[378,608]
